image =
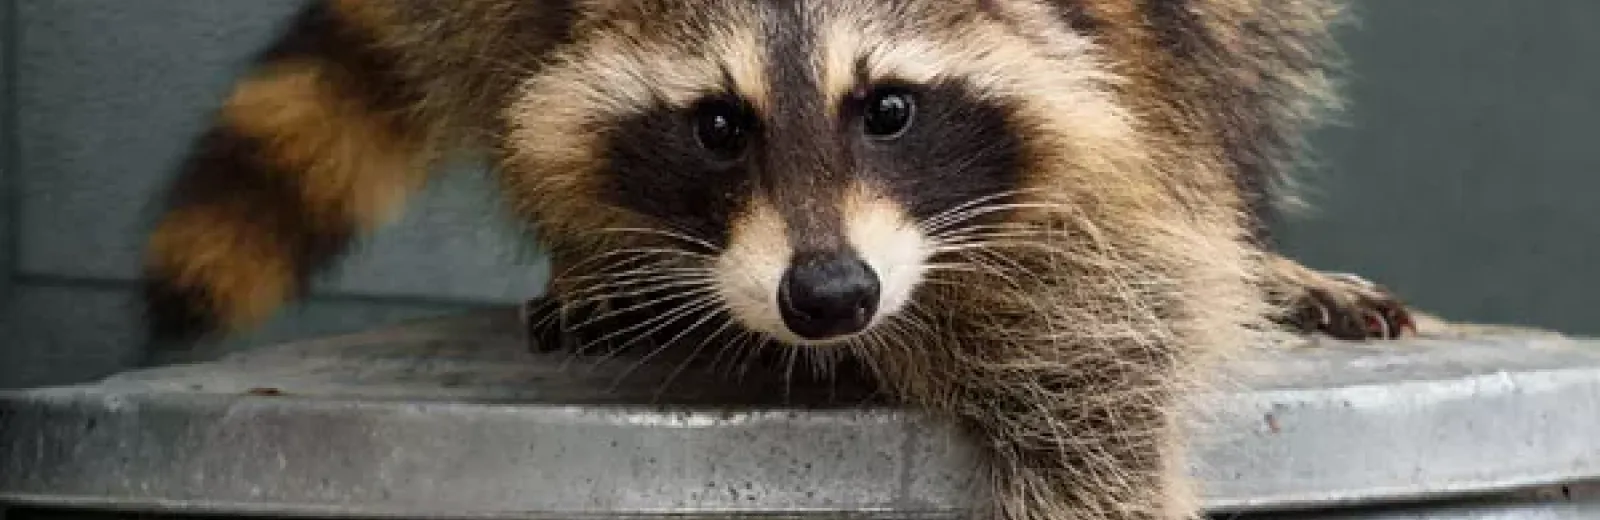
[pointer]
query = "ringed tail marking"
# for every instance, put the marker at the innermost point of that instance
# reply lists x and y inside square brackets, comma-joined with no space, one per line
[309,151]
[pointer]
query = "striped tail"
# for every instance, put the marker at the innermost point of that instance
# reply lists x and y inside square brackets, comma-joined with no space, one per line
[319,144]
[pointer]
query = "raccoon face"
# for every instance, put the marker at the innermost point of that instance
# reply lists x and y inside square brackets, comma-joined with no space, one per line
[829,232]
[808,160]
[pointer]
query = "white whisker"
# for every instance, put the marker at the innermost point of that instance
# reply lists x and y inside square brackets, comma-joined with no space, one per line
[727,322]
[660,321]
[669,343]
[701,292]
[665,233]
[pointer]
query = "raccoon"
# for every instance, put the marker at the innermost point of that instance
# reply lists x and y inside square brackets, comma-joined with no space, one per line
[1042,219]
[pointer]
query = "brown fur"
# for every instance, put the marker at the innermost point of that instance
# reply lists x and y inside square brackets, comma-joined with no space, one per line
[1132,262]
[244,274]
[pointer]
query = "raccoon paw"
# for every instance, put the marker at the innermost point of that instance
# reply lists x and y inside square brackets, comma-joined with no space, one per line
[1342,305]
[1352,308]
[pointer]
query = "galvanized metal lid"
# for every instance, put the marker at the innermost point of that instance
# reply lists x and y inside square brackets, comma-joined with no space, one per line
[455,418]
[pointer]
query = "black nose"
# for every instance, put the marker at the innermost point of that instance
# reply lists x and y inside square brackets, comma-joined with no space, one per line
[828,295]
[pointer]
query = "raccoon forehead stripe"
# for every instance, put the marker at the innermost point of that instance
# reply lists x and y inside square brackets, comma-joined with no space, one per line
[1019,57]
[740,51]
[620,76]
[854,53]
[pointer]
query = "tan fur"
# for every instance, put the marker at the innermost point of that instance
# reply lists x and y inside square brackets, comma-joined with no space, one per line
[754,264]
[617,67]
[219,248]
[890,242]
[349,172]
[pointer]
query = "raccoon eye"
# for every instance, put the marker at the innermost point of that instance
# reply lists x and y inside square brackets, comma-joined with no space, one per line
[888,112]
[721,126]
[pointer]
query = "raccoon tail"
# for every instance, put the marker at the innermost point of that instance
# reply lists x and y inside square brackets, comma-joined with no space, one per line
[318,144]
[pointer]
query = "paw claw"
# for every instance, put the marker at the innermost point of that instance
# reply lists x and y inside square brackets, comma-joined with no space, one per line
[1348,307]
[1353,279]
[1377,325]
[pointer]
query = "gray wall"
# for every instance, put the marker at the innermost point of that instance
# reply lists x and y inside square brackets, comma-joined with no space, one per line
[1461,179]
[1467,173]
[8,201]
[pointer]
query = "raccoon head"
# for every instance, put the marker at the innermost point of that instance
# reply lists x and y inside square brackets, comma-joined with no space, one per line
[805,163]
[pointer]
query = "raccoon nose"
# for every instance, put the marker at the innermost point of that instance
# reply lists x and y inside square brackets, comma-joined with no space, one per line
[828,295]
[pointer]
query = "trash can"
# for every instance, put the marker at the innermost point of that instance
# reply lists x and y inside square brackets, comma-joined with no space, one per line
[456,418]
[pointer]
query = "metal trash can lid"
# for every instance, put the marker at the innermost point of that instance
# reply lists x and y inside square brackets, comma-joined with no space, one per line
[454,418]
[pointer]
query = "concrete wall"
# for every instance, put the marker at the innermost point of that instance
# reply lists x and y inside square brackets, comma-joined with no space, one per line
[1462,180]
